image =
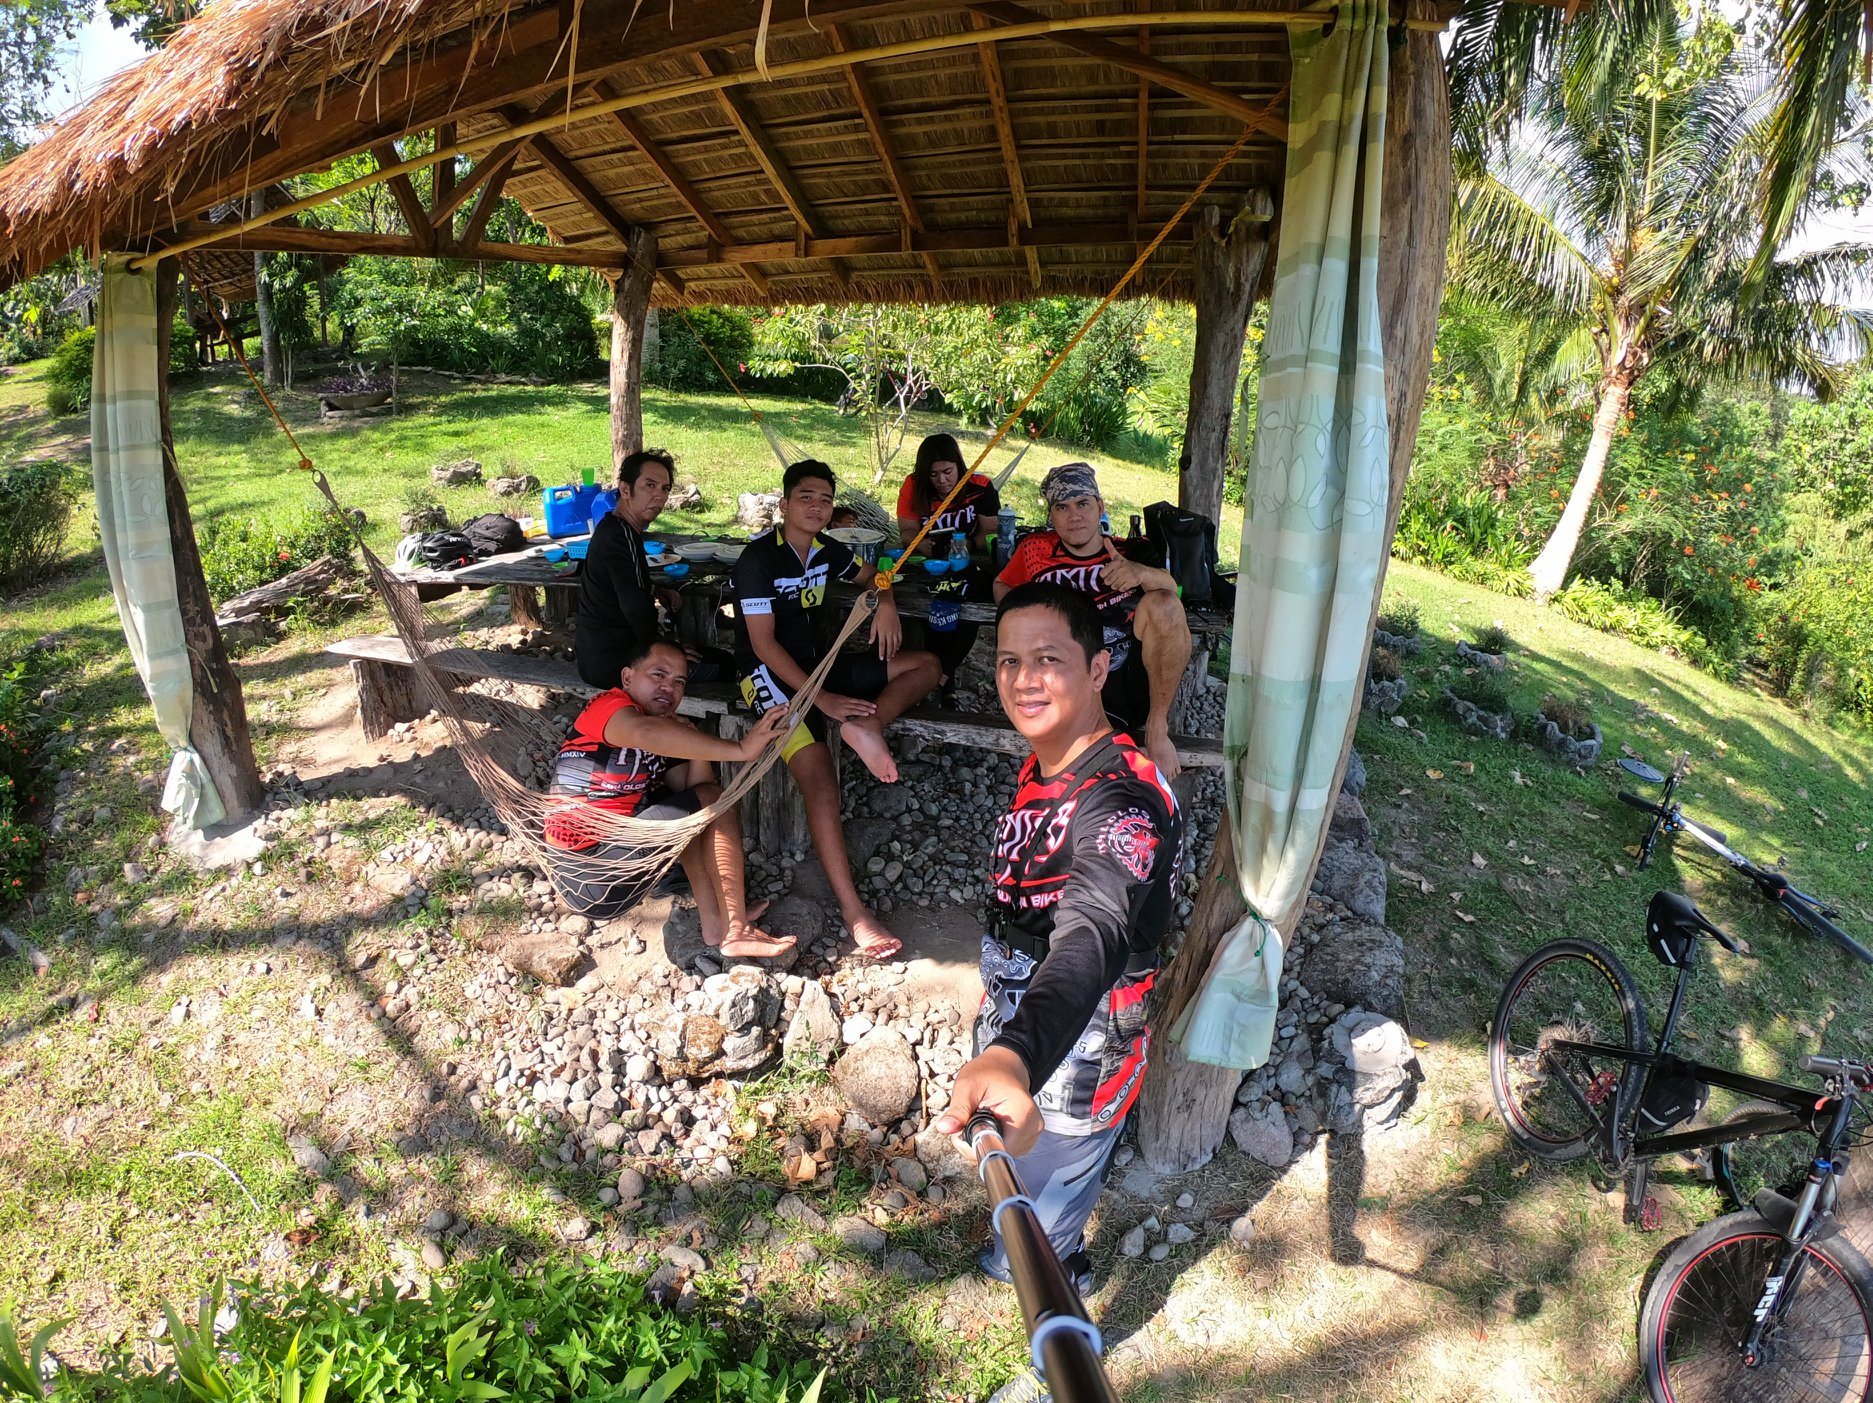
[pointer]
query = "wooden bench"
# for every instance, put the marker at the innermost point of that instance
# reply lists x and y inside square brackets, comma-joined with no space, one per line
[773,814]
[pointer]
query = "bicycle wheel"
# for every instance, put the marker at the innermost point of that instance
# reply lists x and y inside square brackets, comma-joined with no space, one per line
[1703,1300]
[1778,1162]
[1576,990]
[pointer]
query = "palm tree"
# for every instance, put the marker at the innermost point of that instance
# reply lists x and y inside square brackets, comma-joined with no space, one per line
[1631,206]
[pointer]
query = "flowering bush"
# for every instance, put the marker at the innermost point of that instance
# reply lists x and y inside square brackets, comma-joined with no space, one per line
[240,553]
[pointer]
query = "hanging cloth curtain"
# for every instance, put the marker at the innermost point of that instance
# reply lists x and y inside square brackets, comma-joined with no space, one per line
[1313,535]
[133,520]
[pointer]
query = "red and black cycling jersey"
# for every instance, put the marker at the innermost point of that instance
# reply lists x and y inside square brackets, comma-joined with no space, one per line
[977,500]
[599,775]
[1084,889]
[1044,556]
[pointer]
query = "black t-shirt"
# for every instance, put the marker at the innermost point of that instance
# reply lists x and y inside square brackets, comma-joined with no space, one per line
[1083,892]
[771,579]
[616,605]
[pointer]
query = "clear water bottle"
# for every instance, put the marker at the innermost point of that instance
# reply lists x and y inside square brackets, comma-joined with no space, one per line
[959,552]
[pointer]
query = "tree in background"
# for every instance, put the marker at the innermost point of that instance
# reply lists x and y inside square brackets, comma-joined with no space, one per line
[152,21]
[1631,207]
[33,36]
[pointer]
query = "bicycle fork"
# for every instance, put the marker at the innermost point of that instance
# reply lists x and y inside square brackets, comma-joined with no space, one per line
[1785,1277]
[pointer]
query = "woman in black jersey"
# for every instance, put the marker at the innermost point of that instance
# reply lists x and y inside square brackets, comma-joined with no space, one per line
[1082,893]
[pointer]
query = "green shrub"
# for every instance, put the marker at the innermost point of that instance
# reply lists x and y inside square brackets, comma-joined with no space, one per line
[20,763]
[1483,691]
[1613,608]
[682,362]
[561,1331]
[1493,638]
[1571,714]
[1401,619]
[1384,666]
[1816,639]
[240,553]
[35,507]
[68,377]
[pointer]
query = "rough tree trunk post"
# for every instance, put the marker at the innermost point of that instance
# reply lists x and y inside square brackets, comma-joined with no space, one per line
[218,725]
[1229,260]
[1183,1112]
[630,305]
[1548,570]
[263,306]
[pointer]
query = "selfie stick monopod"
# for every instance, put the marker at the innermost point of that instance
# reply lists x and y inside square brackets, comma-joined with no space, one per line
[1062,1338]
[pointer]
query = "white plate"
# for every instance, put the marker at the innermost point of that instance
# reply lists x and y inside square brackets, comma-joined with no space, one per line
[728,552]
[697,550]
[857,535]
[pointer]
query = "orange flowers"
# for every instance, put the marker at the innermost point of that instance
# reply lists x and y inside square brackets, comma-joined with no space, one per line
[1689,551]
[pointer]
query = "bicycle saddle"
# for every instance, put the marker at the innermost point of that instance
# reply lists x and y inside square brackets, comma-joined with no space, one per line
[1672,925]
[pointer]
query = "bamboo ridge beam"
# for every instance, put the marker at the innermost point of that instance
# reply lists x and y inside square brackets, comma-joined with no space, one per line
[291,238]
[1174,19]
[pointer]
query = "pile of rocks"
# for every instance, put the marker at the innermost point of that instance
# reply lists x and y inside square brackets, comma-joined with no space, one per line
[1342,1061]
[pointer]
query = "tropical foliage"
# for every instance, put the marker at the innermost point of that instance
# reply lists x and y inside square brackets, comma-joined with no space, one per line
[1629,208]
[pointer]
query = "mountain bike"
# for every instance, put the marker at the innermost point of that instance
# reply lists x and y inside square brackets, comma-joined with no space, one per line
[1668,817]
[1771,1302]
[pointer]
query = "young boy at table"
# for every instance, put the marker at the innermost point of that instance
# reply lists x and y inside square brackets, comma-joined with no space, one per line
[1146,632]
[780,584]
[631,755]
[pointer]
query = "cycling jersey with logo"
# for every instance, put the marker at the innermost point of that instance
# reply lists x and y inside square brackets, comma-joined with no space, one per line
[770,578]
[1044,556]
[600,775]
[978,499]
[1083,877]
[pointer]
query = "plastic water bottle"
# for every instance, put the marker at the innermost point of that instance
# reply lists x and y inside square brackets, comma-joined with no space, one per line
[959,552]
[1005,523]
[1105,524]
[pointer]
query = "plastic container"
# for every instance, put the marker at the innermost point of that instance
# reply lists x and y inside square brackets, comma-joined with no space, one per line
[567,510]
[959,552]
[944,615]
[936,567]
[603,503]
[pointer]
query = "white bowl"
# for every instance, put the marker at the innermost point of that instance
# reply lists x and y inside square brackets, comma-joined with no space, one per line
[728,552]
[697,550]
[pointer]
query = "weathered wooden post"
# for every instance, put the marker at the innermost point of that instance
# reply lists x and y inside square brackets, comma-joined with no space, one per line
[630,305]
[1229,257]
[218,725]
[1184,1109]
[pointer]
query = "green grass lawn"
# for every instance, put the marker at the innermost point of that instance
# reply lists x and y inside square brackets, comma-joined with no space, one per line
[1502,1281]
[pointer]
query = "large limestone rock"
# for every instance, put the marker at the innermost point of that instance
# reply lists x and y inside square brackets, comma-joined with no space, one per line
[813,1033]
[878,1075]
[1264,1136]
[549,957]
[1354,877]
[743,998]
[457,474]
[1357,963]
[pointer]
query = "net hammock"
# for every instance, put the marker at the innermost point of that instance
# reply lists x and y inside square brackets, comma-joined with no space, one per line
[508,748]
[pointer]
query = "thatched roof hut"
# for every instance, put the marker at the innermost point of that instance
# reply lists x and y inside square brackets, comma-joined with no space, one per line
[961,166]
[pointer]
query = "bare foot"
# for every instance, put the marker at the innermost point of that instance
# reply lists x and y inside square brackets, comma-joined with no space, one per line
[868,744]
[746,942]
[874,941]
[1163,754]
[757,909]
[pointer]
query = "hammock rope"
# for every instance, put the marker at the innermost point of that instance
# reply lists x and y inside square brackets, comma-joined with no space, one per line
[627,852]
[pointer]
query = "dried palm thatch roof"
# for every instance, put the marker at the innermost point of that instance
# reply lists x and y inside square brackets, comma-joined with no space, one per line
[952,165]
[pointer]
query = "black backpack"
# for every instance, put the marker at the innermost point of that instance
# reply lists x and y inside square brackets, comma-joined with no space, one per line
[1188,542]
[493,534]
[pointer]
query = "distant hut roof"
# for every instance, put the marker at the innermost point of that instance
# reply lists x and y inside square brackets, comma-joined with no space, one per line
[959,167]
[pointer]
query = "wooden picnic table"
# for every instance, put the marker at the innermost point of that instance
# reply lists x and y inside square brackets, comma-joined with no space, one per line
[703,586]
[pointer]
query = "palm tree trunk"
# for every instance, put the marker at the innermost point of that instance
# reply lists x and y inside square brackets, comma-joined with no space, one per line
[1549,569]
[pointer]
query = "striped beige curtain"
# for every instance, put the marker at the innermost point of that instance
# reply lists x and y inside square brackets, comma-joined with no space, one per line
[1313,537]
[133,520]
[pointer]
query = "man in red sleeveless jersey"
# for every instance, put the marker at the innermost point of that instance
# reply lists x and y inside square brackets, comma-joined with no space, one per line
[1083,891]
[1142,616]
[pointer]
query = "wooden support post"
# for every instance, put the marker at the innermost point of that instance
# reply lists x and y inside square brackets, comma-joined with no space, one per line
[1184,1107]
[630,304]
[523,607]
[1229,257]
[387,696]
[218,724]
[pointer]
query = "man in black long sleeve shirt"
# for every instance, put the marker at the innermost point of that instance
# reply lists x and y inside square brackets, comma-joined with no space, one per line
[1084,869]
[617,599]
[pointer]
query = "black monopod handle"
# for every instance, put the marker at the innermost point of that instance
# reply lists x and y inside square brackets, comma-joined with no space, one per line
[1063,1341]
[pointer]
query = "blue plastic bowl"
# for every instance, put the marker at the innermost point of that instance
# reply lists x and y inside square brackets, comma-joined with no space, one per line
[554,554]
[676,571]
[577,549]
[936,567]
[653,548]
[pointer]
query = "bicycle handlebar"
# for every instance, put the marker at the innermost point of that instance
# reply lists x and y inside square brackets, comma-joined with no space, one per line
[1855,1071]
[1633,801]
[1063,1342]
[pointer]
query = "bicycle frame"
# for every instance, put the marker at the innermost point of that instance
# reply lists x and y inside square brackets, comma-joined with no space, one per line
[1826,1116]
